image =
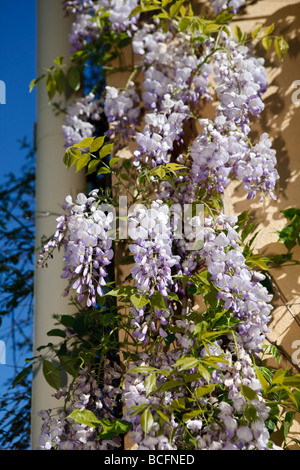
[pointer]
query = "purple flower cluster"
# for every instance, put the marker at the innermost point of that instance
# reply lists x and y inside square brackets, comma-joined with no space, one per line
[177,72]
[119,12]
[218,157]
[150,230]
[221,5]
[59,432]
[79,119]
[238,287]
[229,430]
[75,6]
[174,79]
[84,234]
[241,80]
[122,111]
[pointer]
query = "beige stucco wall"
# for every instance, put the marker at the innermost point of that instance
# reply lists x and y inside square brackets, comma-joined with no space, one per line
[281,119]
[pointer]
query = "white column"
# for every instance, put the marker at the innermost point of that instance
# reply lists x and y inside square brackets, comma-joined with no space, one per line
[53,183]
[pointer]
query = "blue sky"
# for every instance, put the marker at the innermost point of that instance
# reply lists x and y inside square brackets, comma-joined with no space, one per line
[18,115]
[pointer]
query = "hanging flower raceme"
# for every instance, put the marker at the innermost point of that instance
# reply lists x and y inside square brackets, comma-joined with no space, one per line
[81,116]
[151,234]
[221,5]
[203,393]
[122,111]
[62,432]
[219,155]
[213,424]
[84,234]
[241,81]
[119,15]
[174,80]
[239,288]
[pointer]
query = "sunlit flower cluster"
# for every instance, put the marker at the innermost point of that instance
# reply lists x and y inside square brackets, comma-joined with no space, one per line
[179,73]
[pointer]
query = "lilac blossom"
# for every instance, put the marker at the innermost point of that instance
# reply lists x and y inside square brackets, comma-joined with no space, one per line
[218,157]
[150,232]
[84,234]
[241,80]
[119,12]
[59,432]
[221,5]
[121,108]
[79,119]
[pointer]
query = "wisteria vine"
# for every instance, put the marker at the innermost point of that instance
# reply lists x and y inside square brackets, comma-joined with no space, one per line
[194,311]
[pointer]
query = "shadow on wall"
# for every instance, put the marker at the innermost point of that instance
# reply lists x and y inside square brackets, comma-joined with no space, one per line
[281,116]
[281,119]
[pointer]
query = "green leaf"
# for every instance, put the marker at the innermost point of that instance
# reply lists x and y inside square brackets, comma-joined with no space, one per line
[248,392]
[97,144]
[162,415]
[57,332]
[143,370]
[269,29]
[279,376]
[59,60]
[169,385]
[174,10]
[93,165]
[104,171]
[106,150]
[150,383]
[60,80]
[257,260]
[178,404]
[251,413]
[204,390]
[184,23]
[292,381]
[158,171]
[280,46]
[82,161]
[157,301]
[191,415]
[51,86]
[288,421]
[242,219]
[136,11]
[185,363]
[256,32]
[238,33]
[290,213]
[113,161]
[70,364]
[21,376]
[122,291]
[113,428]
[85,143]
[147,421]
[204,372]
[261,378]
[247,230]
[73,76]
[51,374]
[85,417]
[139,301]
[266,42]
[35,81]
